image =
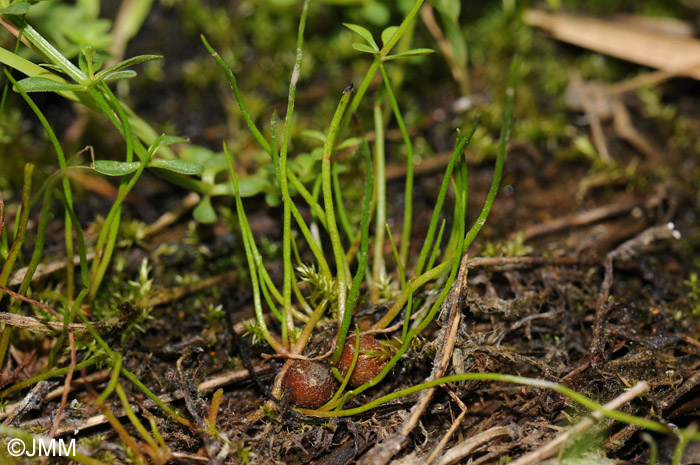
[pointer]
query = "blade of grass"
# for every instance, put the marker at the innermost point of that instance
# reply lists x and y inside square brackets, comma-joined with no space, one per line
[342,213]
[460,144]
[16,249]
[378,267]
[364,247]
[245,228]
[501,156]
[436,247]
[399,265]
[408,189]
[284,179]
[338,252]
[70,270]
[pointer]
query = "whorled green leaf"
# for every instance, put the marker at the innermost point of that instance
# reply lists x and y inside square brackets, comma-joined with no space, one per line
[410,53]
[364,48]
[204,211]
[115,168]
[365,35]
[177,166]
[125,74]
[18,8]
[39,84]
[388,32]
[170,140]
[127,63]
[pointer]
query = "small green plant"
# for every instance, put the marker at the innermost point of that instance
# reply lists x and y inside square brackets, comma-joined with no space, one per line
[332,285]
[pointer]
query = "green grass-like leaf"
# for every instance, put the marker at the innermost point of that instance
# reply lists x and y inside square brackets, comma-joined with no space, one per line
[177,166]
[410,53]
[365,34]
[115,168]
[40,84]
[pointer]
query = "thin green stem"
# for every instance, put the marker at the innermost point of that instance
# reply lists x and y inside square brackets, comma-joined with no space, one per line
[460,145]
[338,252]
[408,190]
[113,380]
[378,267]
[133,419]
[284,181]
[364,249]
[436,247]
[409,310]
[70,270]
[332,402]
[239,99]
[378,59]
[399,264]
[49,374]
[245,228]
[416,283]
[501,156]
[498,377]
[342,213]
[16,249]
[114,356]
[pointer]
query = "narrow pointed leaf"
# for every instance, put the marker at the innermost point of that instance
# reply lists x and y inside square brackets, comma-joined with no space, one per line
[364,33]
[127,63]
[39,84]
[126,74]
[410,53]
[364,48]
[177,166]
[115,168]
[170,140]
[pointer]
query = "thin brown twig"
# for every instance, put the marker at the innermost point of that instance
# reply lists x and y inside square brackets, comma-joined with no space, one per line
[464,448]
[453,427]
[66,391]
[36,303]
[552,446]
[381,453]
[578,219]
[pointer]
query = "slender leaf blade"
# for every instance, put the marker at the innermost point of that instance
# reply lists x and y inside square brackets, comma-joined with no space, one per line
[364,48]
[127,63]
[115,168]
[410,53]
[177,166]
[40,84]
[125,74]
[364,33]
